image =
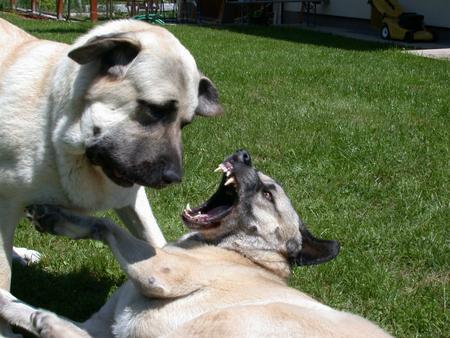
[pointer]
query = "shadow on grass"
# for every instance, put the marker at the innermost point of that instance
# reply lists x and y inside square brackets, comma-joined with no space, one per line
[295,34]
[76,295]
[59,30]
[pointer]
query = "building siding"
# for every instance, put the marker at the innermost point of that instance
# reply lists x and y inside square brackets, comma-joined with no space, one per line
[436,12]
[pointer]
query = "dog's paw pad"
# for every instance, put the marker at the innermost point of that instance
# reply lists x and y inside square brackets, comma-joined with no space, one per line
[26,256]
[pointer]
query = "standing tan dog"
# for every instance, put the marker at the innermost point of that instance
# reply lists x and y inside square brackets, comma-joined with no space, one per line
[86,126]
[228,278]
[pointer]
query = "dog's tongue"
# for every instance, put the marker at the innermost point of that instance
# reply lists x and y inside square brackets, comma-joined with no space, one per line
[203,218]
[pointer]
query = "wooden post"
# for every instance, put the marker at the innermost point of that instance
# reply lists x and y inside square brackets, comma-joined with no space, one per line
[33,6]
[13,4]
[59,9]
[93,10]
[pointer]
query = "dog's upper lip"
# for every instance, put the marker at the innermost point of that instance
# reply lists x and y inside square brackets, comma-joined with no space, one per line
[228,169]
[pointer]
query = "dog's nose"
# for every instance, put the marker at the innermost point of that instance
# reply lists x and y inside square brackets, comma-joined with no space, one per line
[171,176]
[243,156]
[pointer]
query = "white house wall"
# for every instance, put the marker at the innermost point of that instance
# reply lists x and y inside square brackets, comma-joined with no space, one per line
[345,8]
[436,12]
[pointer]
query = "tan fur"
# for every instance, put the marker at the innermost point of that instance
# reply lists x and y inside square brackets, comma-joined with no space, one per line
[227,295]
[213,292]
[58,102]
[236,288]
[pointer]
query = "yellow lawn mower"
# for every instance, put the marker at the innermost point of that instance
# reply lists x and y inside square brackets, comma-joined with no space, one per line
[395,24]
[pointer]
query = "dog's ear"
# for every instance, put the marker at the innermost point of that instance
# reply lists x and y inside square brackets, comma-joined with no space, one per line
[113,50]
[314,250]
[208,99]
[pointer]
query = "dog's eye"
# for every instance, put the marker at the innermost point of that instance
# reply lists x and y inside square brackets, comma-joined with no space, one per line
[151,109]
[268,195]
[158,115]
[150,112]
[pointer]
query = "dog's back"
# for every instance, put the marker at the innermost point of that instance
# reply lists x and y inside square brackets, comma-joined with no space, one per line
[10,32]
[27,66]
[10,37]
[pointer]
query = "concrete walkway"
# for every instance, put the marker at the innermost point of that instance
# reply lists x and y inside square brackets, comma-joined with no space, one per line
[363,31]
[438,53]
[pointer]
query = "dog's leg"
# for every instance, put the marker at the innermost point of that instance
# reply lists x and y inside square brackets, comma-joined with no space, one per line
[15,312]
[49,325]
[9,217]
[126,248]
[154,272]
[42,323]
[140,221]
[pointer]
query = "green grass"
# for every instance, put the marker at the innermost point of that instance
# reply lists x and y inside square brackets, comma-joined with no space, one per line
[357,133]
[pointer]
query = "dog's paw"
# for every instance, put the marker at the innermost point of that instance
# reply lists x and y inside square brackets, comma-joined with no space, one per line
[42,322]
[26,256]
[44,217]
[6,300]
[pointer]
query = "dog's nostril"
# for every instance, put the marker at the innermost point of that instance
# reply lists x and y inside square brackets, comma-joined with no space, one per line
[97,131]
[244,157]
[247,159]
[171,176]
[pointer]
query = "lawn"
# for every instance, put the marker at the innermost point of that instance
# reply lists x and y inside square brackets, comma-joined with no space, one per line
[357,133]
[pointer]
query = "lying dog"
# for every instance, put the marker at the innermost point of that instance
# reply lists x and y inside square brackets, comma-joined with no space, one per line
[227,278]
[86,126]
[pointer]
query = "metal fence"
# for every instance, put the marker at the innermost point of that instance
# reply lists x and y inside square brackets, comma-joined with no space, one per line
[158,11]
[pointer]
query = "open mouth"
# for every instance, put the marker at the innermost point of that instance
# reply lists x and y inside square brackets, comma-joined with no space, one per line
[211,213]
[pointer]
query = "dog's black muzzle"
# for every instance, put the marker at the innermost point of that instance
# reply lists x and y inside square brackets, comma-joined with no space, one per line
[240,156]
[128,170]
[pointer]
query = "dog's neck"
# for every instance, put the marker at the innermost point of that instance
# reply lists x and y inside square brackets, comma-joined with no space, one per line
[266,258]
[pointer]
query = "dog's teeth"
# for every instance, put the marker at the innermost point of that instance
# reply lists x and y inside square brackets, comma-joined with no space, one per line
[217,169]
[228,173]
[188,208]
[231,180]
